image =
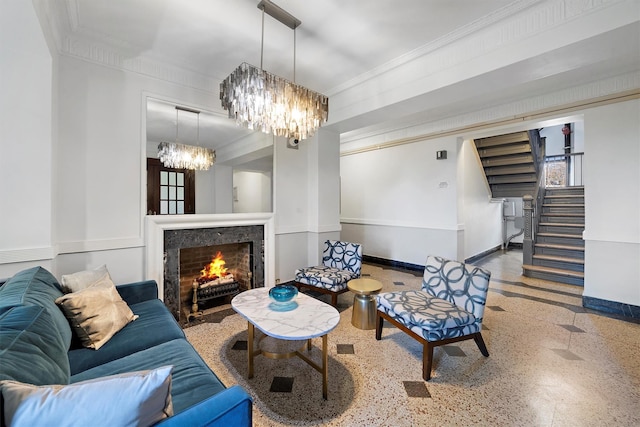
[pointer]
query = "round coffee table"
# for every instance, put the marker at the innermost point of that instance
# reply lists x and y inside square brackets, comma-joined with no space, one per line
[364,302]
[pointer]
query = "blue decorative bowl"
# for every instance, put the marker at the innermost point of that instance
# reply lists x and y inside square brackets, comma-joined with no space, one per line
[283,294]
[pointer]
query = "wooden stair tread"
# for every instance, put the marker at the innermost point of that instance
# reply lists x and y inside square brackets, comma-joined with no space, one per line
[568,236]
[570,188]
[561,224]
[558,271]
[565,196]
[563,205]
[556,246]
[559,258]
[565,214]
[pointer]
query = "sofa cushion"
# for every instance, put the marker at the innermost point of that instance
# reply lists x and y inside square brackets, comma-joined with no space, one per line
[192,380]
[29,351]
[154,326]
[83,279]
[131,399]
[36,286]
[96,313]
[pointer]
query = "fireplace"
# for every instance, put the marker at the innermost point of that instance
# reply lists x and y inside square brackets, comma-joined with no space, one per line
[248,239]
[215,273]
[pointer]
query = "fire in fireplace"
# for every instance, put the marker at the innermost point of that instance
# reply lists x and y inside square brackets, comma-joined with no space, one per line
[214,282]
[215,273]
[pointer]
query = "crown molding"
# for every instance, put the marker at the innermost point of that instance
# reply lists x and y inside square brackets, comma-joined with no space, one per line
[100,54]
[441,42]
[518,23]
[564,101]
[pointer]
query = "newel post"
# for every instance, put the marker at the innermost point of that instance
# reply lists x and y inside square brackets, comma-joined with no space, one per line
[527,242]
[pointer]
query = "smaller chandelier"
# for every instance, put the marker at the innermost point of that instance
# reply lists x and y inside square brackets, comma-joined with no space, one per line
[182,156]
[258,99]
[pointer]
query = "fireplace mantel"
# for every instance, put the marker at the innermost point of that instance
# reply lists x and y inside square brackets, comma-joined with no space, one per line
[157,224]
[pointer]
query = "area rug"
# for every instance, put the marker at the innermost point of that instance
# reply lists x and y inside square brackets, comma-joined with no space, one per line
[210,316]
[289,391]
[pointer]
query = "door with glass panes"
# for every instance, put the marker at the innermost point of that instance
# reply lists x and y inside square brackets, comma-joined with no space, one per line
[169,191]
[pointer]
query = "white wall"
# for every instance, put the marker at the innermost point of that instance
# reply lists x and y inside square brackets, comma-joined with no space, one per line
[251,191]
[400,202]
[612,202]
[101,176]
[26,140]
[554,140]
[482,219]
[291,208]
[306,195]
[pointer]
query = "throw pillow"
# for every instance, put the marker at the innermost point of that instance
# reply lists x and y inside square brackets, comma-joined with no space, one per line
[96,313]
[132,399]
[83,279]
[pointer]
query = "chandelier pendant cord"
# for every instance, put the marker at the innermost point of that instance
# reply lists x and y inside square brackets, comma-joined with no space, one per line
[260,100]
[177,123]
[262,48]
[262,40]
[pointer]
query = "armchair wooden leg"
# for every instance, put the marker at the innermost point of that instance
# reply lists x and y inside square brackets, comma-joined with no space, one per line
[427,359]
[477,337]
[379,322]
[334,300]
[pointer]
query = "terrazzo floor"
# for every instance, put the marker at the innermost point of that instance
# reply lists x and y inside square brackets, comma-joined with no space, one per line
[552,363]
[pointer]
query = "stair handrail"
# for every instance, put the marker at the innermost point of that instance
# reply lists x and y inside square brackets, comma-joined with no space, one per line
[537,144]
[532,204]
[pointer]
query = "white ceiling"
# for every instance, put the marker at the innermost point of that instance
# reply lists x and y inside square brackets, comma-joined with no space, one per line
[338,42]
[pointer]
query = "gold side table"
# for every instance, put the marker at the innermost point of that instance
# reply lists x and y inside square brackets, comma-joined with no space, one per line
[364,302]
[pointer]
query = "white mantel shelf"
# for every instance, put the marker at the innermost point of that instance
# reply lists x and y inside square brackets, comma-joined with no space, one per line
[157,224]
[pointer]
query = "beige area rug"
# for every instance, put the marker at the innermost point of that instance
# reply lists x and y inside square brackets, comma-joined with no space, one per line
[370,382]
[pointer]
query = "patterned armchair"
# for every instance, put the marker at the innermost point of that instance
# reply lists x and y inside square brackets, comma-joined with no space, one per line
[341,262]
[449,307]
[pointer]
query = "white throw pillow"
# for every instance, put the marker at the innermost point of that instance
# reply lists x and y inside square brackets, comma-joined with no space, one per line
[96,313]
[131,399]
[83,279]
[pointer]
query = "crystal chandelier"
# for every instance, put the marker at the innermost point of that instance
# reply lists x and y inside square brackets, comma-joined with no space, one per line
[258,99]
[182,156]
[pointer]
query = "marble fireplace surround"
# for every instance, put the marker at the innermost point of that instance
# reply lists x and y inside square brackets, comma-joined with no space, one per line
[155,235]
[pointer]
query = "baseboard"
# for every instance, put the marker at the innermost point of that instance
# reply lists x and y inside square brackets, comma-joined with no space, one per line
[420,268]
[393,264]
[481,255]
[612,307]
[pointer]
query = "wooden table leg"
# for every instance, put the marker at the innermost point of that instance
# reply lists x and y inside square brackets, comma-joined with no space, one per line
[250,349]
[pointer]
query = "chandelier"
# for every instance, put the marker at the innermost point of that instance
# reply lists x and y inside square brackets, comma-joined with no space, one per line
[182,156]
[258,99]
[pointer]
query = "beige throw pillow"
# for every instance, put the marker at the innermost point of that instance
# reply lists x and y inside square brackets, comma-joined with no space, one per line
[140,398]
[96,313]
[83,279]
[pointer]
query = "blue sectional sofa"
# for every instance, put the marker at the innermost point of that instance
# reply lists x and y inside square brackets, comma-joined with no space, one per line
[37,347]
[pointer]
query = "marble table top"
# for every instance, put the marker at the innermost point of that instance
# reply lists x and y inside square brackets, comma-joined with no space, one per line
[309,319]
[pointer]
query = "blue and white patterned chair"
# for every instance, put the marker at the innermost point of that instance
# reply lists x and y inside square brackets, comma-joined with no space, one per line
[341,262]
[449,307]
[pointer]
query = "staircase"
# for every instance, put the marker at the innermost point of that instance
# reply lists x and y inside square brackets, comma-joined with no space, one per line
[558,253]
[508,164]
